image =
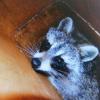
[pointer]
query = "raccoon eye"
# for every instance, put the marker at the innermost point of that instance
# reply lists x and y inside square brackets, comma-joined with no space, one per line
[45,45]
[59,64]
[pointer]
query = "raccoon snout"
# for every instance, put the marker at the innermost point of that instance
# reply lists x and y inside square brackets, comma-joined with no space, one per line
[36,63]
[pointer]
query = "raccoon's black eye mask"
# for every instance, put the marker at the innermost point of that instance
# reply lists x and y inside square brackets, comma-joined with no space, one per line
[45,45]
[59,65]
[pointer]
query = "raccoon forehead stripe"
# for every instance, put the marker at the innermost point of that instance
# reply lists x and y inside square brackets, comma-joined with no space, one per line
[57,49]
[39,54]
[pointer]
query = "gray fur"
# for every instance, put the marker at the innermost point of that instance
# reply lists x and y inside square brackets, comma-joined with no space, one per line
[75,85]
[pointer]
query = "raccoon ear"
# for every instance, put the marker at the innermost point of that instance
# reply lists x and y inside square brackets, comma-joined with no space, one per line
[88,52]
[66,25]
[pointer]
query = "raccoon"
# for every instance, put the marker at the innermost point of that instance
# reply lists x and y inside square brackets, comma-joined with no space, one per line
[63,63]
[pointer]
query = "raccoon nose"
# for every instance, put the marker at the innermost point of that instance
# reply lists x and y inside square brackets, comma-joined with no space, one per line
[36,62]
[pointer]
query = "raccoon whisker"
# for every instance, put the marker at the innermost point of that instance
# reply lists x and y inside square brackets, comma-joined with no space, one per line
[30,50]
[31,45]
[53,74]
[60,76]
[27,51]
[28,55]
[23,49]
[56,76]
[62,72]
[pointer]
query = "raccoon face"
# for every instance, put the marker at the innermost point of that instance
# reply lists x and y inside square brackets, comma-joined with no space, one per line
[57,55]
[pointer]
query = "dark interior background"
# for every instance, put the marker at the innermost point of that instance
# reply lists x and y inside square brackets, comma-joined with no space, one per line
[88,9]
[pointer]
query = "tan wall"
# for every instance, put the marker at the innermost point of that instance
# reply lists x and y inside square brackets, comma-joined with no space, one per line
[18,81]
